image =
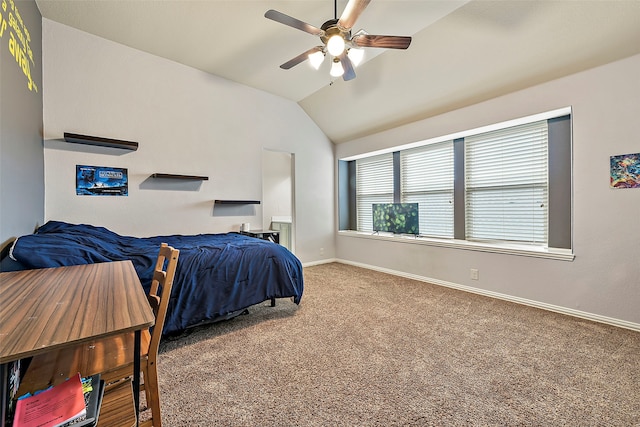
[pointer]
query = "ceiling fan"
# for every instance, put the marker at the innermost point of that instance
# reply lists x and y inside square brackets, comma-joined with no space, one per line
[337,40]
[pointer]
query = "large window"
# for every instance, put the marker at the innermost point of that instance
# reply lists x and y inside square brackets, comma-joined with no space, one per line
[374,184]
[427,179]
[506,185]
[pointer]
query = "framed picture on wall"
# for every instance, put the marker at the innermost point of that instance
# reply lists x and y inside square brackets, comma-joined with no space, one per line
[101,181]
[625,171]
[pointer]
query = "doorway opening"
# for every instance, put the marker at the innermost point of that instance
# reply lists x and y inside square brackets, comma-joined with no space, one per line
[278,195]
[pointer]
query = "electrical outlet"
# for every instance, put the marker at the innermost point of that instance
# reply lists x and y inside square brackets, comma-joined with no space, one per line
[473,273]
[321,251]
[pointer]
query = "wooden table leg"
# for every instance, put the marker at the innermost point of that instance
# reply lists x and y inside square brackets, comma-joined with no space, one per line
[136,375]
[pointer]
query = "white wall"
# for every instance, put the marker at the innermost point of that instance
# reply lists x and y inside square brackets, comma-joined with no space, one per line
[186,122]
[604,278]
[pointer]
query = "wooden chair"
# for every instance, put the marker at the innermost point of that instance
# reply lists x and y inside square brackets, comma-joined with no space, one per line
[112,357]
[158,296]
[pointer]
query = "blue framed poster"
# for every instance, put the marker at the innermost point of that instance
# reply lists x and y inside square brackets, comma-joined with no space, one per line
[101,181]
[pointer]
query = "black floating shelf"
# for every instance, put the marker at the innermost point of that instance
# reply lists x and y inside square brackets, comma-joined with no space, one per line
[177,176]
[99,141]
[237,202]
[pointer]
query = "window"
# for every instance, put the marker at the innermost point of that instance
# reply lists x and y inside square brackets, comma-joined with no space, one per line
[427,177]
[510,185]
[506,184]
[374,184]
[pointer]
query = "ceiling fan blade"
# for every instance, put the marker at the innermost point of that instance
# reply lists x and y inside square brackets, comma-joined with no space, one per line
[351,13]
[388,42]
[349,72]
[293,22]
[300,58]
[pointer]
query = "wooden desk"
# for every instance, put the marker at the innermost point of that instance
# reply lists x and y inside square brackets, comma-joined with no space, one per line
[51,308]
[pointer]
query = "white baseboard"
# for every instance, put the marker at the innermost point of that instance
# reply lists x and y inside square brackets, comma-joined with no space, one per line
[544,306]
[322,261]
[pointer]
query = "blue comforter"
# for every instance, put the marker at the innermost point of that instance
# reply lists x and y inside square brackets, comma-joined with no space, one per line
[217,274]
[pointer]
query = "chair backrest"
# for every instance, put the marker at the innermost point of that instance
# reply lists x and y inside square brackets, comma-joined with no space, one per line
[160,292]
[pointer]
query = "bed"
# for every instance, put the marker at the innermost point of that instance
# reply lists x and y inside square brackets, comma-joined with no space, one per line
[218,275]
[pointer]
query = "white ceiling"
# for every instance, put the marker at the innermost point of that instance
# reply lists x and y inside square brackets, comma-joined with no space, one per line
[462,52]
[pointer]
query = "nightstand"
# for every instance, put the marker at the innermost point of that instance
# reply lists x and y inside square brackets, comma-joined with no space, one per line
[270,235]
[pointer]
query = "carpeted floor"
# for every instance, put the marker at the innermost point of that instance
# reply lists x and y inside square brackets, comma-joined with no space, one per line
[370,349]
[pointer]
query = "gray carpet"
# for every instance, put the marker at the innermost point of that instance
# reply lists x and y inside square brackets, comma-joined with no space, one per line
[371,349]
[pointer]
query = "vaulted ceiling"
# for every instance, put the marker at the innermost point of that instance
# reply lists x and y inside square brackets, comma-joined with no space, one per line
[462,52]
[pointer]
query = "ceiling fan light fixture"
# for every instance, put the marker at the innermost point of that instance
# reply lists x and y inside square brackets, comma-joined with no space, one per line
[336,68]
[316,59]
[336,37]
[335,45]
[356,56]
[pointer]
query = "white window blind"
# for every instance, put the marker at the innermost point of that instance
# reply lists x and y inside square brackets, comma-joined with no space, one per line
[506,178]
[374,184]
[427,178]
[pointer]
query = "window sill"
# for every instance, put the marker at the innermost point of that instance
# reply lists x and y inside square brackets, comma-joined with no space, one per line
[500,248]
